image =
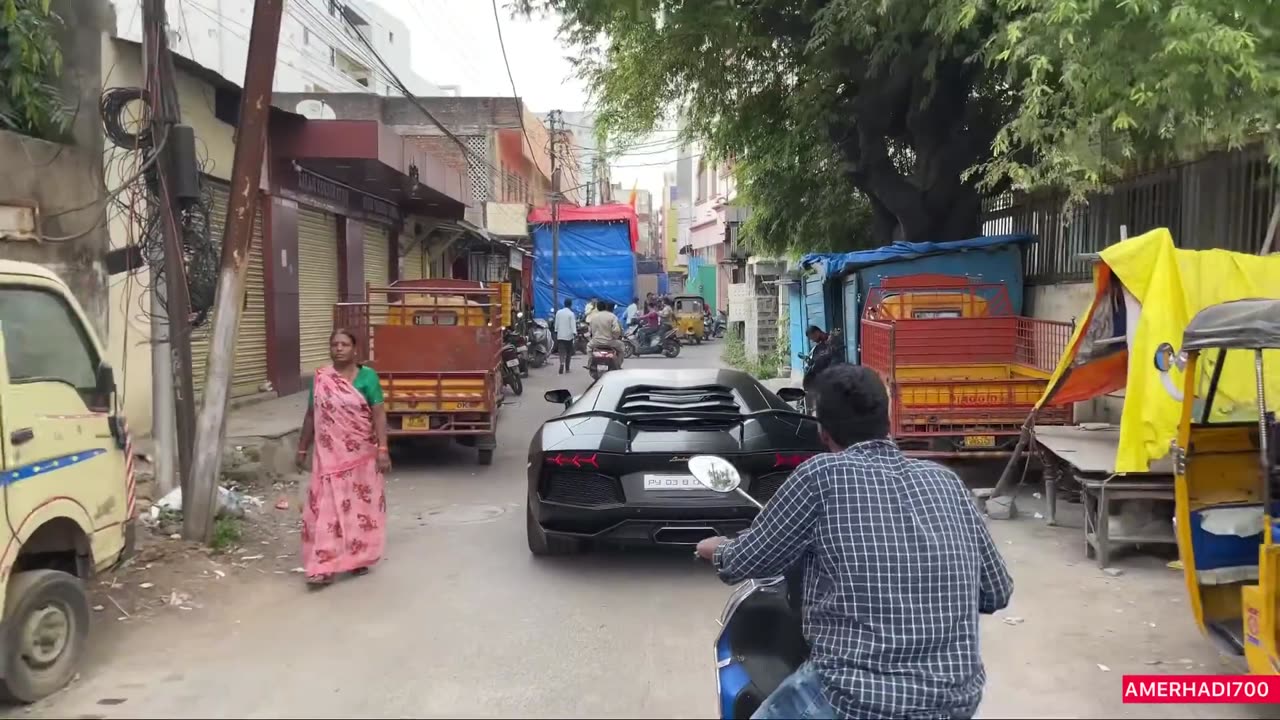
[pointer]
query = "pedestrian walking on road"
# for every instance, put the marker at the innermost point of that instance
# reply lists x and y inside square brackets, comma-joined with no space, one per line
[344,517]
[566,331]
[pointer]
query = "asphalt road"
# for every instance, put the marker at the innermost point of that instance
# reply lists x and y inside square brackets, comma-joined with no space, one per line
[460,621]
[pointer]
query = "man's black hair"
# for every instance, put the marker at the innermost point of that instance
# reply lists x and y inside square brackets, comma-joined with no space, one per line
[568,302]
[852,404]
[813,329]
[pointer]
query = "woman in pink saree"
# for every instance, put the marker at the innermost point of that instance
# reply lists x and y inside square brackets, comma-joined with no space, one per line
[344,518]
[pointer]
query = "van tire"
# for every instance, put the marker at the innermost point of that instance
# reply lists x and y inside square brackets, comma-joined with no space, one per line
[60,598]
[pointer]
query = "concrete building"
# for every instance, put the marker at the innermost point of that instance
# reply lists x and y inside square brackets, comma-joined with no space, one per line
[341,204]
[715,258]
[676,264]
[593,166]
[507,159]
[62,181]
[319,51]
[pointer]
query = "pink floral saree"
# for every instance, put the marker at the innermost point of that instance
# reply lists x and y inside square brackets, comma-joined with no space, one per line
[344,521]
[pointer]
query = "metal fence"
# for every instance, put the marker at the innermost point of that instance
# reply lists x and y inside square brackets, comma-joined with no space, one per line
[1223,200]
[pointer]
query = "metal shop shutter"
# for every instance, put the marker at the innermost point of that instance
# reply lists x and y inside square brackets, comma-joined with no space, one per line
[411,268]
[317,285]
[249,374]
[377,239]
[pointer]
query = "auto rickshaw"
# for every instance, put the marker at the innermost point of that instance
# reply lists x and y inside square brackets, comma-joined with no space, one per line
[1225,465]
[689,315]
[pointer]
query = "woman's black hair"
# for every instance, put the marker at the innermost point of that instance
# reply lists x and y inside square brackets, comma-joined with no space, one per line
[343,331]
[852,404]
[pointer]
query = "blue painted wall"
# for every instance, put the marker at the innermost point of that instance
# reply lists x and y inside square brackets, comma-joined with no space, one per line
[796,325]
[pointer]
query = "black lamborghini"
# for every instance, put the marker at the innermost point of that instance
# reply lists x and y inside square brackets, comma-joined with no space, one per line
[612,467]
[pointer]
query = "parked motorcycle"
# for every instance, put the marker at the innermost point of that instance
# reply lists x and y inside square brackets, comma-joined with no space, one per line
[761,641]
[666,343]
[511,368]
[719,325]
[602,360]
[511,337]
[540,345]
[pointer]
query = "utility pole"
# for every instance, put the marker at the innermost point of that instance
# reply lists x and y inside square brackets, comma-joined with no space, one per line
[237,234]
[174,396]
[553,119]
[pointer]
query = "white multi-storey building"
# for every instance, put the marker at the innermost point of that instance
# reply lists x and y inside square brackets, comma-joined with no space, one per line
[321,49]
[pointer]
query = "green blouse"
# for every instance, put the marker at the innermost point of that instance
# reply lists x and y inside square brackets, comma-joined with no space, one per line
[365,382]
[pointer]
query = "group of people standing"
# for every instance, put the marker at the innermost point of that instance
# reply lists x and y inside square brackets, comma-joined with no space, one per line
[603,326]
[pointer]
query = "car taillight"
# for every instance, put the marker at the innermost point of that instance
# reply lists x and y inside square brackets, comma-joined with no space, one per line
[576,460]
[788,461]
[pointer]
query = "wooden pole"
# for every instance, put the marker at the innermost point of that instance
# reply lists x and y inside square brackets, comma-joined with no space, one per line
[246,174]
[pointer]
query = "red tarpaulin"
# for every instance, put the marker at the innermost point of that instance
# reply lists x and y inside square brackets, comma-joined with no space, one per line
[591,213]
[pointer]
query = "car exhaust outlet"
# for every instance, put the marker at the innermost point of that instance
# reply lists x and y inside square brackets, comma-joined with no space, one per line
[682,535]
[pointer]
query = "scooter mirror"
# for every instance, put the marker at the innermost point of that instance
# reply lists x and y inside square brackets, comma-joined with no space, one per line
[715,473]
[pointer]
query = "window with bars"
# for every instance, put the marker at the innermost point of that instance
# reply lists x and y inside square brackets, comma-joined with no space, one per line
[477,170]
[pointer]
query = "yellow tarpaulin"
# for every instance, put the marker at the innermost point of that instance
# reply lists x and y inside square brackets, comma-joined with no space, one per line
[1172,285]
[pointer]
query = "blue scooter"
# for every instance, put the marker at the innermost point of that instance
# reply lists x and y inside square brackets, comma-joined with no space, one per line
[761,640]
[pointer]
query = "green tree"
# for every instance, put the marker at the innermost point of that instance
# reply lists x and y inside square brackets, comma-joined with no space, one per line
[30,64]
[923,107]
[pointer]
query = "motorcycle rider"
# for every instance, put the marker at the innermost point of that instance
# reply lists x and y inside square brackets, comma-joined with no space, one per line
[825,353]
[898,565]
[605,330]
[629,315]
[648,325]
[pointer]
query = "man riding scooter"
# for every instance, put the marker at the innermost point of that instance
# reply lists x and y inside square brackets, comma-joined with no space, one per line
[606,331]
[897,568]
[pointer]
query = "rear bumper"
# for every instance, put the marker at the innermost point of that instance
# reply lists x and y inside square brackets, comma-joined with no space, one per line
[641,525]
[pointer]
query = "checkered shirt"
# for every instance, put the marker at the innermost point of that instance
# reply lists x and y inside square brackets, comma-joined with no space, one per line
[898,565]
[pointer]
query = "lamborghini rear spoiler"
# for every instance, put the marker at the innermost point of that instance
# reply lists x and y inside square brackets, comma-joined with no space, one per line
[739,419]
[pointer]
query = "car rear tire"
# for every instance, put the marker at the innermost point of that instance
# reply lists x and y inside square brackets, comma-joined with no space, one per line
[46,631]
[485,456]
[543,545]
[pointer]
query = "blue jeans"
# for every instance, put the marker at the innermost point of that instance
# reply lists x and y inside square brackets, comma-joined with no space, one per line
[799,697]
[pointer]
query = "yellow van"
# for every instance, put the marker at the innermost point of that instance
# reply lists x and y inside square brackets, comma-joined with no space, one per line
[66,480]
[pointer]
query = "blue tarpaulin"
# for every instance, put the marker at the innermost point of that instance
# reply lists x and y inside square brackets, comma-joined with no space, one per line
[837,264]
[595,260]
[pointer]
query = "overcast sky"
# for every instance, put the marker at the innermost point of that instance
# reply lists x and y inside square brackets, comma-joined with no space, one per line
[455,42]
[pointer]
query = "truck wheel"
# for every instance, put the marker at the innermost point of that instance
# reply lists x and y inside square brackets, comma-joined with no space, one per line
[485,456]
[46,618]
[543,546]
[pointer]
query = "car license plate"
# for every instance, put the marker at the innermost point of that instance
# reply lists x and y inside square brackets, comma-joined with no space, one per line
[416,422]
[671,482]
[513,363]
[980,441]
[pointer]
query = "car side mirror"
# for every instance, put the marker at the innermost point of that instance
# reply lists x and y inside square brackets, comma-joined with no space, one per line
[105,382]
[558,397]
[791,394]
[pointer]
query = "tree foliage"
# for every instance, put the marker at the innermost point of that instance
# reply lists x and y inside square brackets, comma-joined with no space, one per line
[30,64]
[904,114]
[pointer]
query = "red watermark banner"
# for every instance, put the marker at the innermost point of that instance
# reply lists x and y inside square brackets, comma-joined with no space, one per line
[1201,689]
